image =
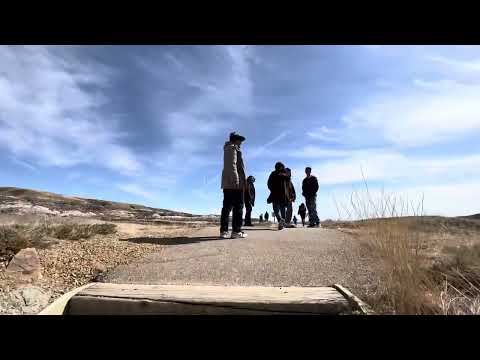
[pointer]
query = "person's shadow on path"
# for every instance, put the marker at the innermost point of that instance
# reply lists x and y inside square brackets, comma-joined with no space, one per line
[171,241]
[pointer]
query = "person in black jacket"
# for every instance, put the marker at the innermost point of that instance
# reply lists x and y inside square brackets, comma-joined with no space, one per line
[277,184]
[309,189]
[266,216]
[249,200]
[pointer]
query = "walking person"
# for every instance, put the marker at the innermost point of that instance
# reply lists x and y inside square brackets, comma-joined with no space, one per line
[277,184]
[249,200]
[273,216]
[261,218]
[266,216]
[309,191]
[233,185]
[302,211]
[295,220]
[291,196]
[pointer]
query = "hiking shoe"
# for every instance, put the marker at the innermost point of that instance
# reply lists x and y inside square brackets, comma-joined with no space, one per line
[224,235]
[238,235]
[281,225]
[312,225]
[291,226]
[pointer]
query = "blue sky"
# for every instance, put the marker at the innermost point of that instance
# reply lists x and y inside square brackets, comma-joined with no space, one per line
[147,124]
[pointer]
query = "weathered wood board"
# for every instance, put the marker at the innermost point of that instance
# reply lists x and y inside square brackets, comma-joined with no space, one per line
[123,299]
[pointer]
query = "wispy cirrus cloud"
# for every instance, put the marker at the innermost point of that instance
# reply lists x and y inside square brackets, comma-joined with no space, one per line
[24,164]
[430,113]
[261,150]
[48,116]
[135,189]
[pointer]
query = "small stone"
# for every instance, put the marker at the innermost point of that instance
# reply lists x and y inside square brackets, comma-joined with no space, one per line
[99,268]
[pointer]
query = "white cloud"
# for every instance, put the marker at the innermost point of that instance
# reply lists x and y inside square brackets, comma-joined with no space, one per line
[136,190]
[468,66]
[325,134]
[316,152]
[441,199]
[429,114]
[48,116]
[384,165]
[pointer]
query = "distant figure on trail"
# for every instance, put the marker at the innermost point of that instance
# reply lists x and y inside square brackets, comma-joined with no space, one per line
[291,196]
[302,211]
[266,216]
[295,220]
[233,185]
[261,218]
[309,191]
[273,217]
[249,200]
[279,197]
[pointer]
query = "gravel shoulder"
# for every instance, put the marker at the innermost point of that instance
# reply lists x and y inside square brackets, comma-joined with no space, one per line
[69,264]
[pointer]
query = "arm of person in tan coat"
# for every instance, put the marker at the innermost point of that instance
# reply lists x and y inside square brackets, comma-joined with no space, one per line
[231,154]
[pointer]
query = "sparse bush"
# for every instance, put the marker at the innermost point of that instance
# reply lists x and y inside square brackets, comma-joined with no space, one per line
[394,232]
[79,231]
[14,238]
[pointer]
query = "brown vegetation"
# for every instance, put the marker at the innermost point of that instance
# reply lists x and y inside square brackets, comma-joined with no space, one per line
[15,237]
[426,264]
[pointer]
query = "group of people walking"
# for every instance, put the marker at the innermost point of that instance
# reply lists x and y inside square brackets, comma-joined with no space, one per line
[239,191]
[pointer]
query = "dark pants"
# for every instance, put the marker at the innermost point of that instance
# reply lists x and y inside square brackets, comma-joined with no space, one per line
[303,220]
[248,214]
[280,211]
[311,203]
[232,200]
[289,213]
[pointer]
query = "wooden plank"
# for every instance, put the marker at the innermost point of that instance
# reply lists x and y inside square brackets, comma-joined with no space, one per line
[102,298]
[59,305]
[354,301]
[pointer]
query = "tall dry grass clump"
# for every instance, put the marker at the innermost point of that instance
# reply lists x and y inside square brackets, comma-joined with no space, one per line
[41,234]
[393,233]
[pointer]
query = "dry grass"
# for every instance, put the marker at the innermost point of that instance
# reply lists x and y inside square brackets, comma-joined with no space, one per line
[14,237]
[399,237]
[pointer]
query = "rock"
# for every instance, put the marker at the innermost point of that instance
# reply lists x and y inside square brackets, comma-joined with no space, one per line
[25,265]
[99,268]
[34,298]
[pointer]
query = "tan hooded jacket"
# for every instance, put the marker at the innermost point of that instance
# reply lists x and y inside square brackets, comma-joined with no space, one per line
[233,174]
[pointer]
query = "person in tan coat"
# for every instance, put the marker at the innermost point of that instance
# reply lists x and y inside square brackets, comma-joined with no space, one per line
[233,184]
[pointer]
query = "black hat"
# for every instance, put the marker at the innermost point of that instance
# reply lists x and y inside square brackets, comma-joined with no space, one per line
[234,136]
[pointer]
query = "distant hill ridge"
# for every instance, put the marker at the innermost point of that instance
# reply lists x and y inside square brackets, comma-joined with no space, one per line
[15,200]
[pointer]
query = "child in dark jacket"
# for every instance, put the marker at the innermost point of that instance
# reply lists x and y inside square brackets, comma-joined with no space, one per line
[302,211]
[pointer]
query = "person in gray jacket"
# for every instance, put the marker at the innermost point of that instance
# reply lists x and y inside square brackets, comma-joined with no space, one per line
[233,184]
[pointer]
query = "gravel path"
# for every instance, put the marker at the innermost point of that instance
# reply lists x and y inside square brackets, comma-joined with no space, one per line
[268,257]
